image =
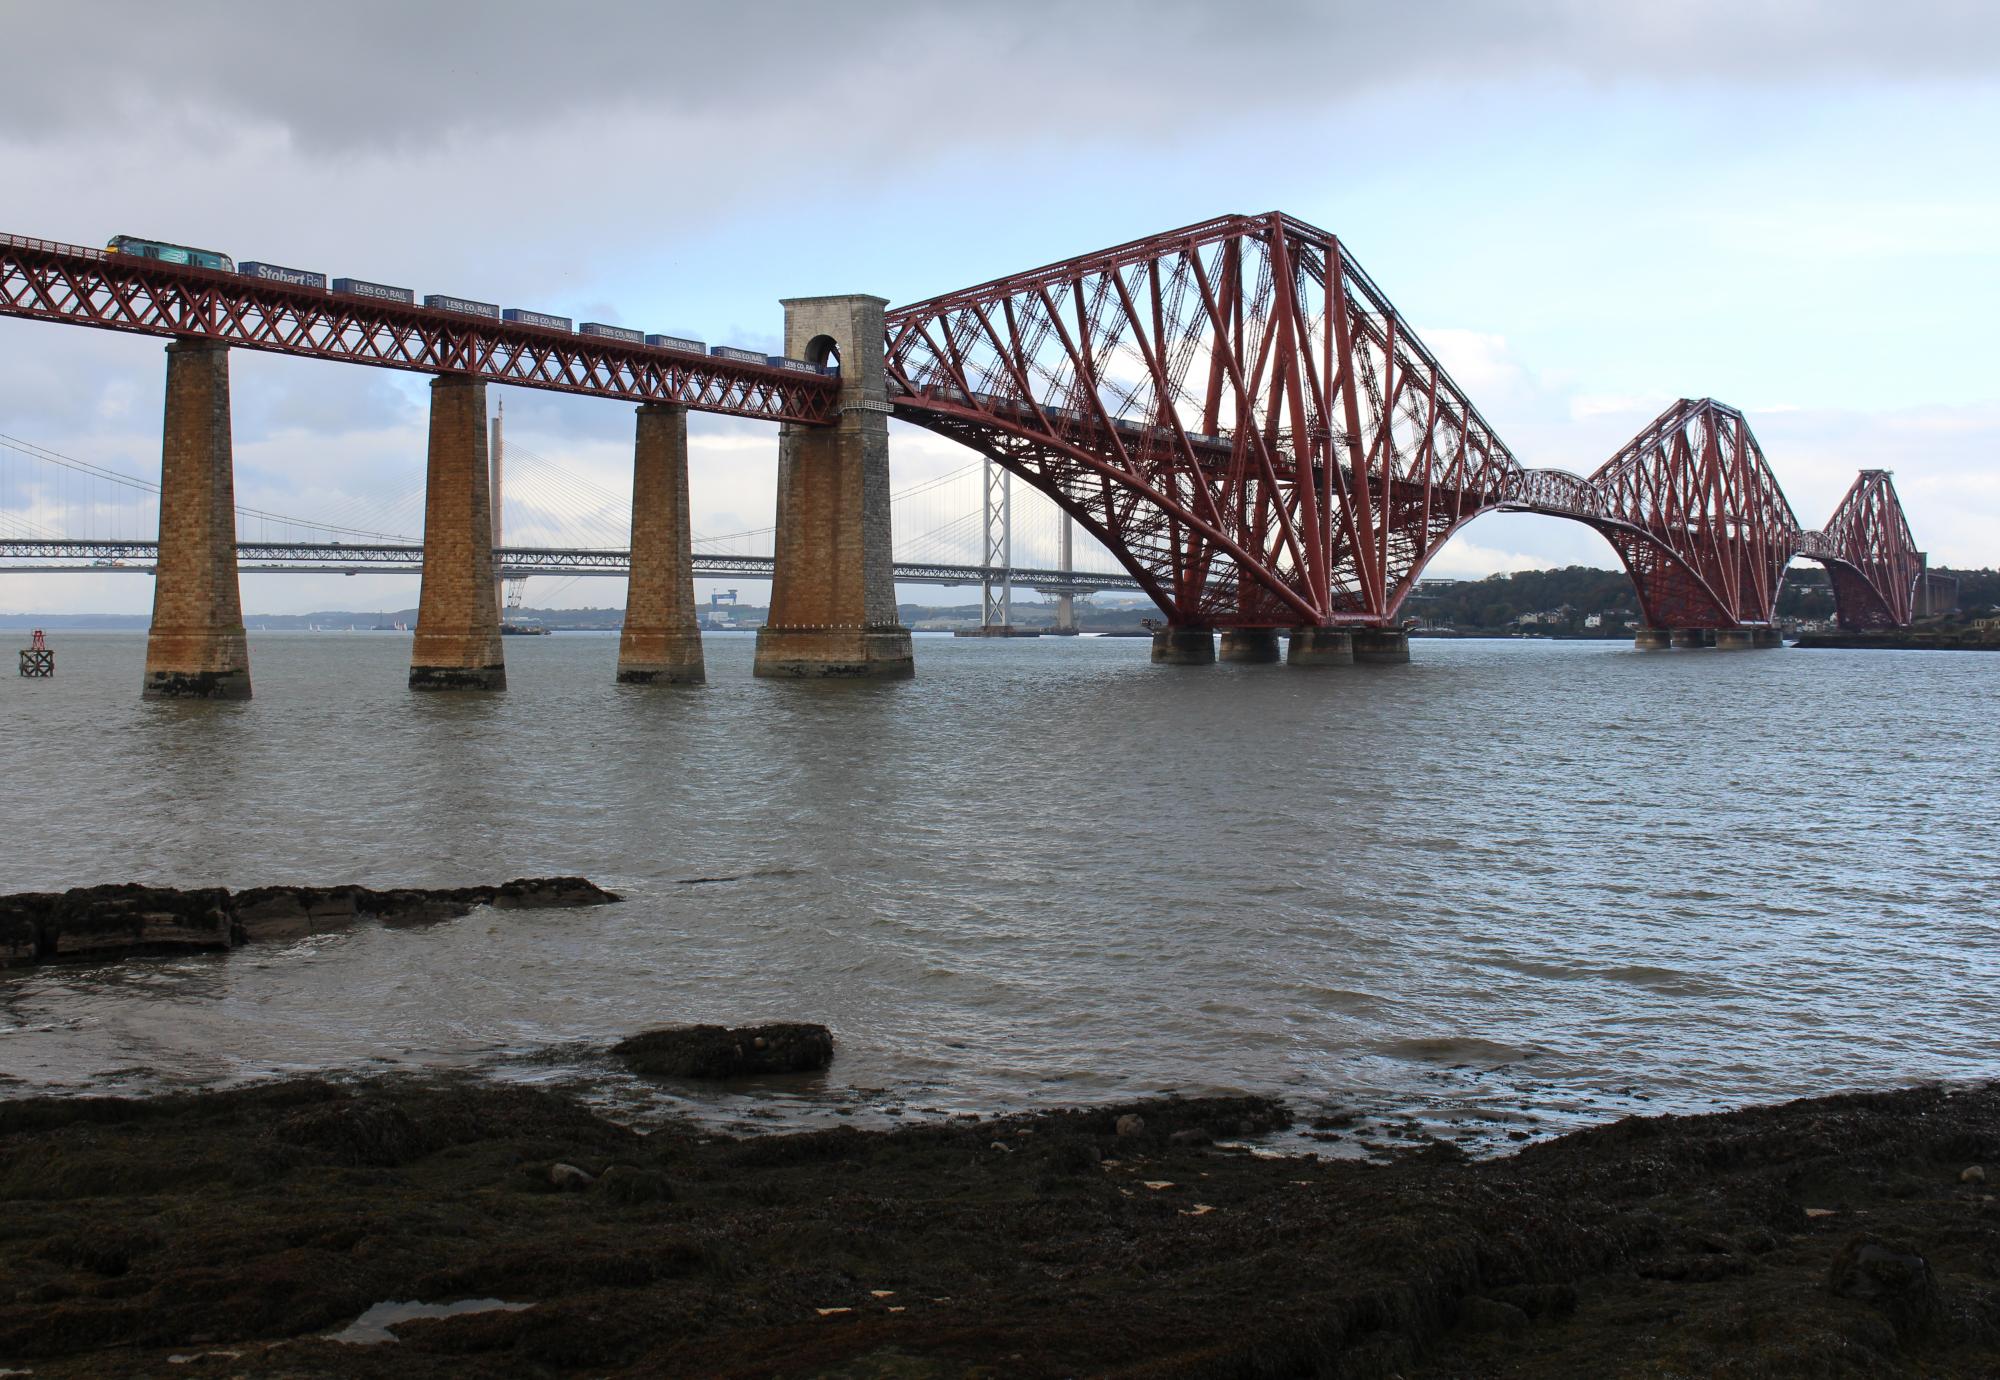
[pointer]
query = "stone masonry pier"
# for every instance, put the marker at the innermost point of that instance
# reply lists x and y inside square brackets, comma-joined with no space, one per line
[196,648]
[661,644]
[457,642]
[833,591]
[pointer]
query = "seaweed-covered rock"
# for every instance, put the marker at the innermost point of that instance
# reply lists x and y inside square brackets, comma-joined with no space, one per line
[1890,1276]
[356,1131]
[22,918]
[268,913]
[714,1051]
[525,892]
[113,921]
[107,921]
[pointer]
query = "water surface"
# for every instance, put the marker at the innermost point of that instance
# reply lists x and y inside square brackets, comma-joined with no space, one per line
[1511,886]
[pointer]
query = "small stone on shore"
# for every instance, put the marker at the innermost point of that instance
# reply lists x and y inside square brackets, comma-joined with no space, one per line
[569,1178]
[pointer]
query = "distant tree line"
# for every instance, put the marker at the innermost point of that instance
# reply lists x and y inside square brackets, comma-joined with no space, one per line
[1579,591]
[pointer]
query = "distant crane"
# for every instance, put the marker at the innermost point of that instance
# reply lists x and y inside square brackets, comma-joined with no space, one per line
[716,599]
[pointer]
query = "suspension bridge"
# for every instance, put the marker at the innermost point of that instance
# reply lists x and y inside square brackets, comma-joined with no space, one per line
[1232,412]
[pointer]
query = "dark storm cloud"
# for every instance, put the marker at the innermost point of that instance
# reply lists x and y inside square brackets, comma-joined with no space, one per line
[375,74]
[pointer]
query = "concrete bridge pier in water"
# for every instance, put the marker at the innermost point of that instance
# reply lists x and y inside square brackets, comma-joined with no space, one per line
[1321,647]
[1181,646]
[833,590]
[1250,646]
[1381,646]
[196,647]
[1177,646]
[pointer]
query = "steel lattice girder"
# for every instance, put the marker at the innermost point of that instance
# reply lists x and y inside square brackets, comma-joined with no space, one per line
[1701,523]
[88,287]
[1869,555]
[1233,409]
[1240,416]
[81,557]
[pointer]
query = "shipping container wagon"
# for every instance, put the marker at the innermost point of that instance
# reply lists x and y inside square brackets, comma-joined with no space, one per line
[521,316]
[678,342]
[740,356]
[377,292]
[444,301]
[624,333]
[169,253]
[290,277]
[796,366]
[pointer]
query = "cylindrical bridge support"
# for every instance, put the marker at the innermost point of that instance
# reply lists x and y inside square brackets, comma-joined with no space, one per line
[196,648]
[1174,646]
[661,644]
[1653,639]
[457,642]
[833,590]
[1249,646]
[1321,647]
[1382,646]
[1693,637]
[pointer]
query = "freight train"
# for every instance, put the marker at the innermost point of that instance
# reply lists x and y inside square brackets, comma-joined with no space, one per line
[309,281]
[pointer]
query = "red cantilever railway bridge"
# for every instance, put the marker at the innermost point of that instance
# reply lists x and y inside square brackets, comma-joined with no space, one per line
[1233,409]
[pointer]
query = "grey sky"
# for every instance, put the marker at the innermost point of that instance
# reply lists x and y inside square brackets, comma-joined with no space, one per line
[384,74]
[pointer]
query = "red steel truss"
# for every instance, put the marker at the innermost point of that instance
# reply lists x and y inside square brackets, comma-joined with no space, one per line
[1869,555]
[1698,518]
[1233,409]
[1242,418]
[87,287]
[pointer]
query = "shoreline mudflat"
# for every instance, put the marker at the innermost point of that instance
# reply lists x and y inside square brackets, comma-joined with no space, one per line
[226,1233]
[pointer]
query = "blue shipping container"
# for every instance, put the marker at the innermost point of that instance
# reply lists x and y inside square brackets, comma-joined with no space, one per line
[521,316]
[677,342]
[612,332]
[291,277]
[444,301]
[380,292]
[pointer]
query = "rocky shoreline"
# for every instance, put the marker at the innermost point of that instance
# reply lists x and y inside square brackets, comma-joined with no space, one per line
[229,1233]
[127,920]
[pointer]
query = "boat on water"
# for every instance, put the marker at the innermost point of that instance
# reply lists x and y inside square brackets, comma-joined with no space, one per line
[523,630]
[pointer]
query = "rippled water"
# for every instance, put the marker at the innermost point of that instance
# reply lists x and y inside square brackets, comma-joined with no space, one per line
[1509,885]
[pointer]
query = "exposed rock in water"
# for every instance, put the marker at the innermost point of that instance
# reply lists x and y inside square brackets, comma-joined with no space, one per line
[285,912]
[714,1051]
[122,920]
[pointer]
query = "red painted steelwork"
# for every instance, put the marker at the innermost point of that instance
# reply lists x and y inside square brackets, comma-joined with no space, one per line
[1242,418]
[1698,518]
[1233,409]
[1869,555]
[87,287]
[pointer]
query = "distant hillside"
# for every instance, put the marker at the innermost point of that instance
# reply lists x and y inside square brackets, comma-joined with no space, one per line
[1498,600]
[1491,604]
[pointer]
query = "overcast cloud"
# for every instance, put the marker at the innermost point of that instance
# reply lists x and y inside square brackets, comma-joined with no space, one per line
[369,75]
[1591,209]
